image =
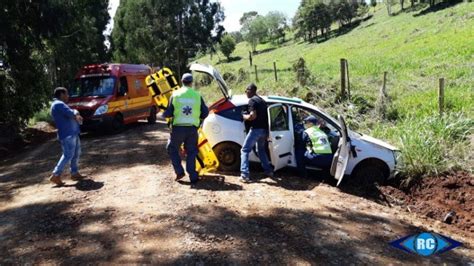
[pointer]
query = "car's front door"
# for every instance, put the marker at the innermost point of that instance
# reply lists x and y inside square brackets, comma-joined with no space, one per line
[280,136]
[341,157]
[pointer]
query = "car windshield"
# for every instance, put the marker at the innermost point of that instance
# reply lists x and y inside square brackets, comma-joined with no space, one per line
[93,86]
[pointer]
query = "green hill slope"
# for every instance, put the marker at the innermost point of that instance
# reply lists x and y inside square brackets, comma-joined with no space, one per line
[415,51]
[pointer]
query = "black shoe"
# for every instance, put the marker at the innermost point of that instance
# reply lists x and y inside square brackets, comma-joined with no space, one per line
[269,174]
[179,177]
[194,183]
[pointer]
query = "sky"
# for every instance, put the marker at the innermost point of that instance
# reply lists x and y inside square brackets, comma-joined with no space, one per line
[233,10]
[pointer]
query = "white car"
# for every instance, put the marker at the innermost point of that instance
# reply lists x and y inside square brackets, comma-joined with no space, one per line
[355,154]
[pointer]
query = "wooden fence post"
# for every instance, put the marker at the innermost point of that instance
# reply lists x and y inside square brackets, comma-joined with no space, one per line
[275,70]
[383,97]
[343,77]
[348,80]
[441,96]
[256,75]
[250,58]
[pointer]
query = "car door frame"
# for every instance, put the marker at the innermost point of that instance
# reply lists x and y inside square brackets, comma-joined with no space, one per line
[276,156]
[337,169]
[342,154]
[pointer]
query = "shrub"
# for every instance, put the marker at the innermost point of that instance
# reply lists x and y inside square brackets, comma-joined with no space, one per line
[227,45]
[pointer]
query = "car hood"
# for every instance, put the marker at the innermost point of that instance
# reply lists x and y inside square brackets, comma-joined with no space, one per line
[87,102]
[211,71]
[375,141]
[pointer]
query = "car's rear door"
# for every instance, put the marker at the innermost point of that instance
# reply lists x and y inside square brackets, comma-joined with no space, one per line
[280,135]
[341,157]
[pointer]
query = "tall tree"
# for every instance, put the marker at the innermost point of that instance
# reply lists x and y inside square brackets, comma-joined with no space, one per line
[255,31]
[248,16]
[45,44]
[276,25]
[165,32]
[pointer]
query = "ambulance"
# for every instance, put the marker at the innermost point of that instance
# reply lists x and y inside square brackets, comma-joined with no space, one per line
[109,96]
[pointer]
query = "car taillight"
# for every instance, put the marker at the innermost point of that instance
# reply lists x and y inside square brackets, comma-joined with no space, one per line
[221,105]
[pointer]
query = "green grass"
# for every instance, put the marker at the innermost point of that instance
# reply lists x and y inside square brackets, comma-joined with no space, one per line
[415,51]
[44,115]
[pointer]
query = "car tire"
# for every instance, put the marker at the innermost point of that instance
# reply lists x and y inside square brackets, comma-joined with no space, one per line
[117,124]
[152,117]
[228,155]
[369,173]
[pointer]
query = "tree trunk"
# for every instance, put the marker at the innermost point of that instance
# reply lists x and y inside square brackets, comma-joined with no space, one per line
[389,8]
[401,3]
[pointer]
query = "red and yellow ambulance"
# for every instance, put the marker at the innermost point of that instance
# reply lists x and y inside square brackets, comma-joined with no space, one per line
[108,96]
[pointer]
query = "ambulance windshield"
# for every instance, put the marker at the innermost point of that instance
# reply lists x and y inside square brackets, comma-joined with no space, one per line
[92,86]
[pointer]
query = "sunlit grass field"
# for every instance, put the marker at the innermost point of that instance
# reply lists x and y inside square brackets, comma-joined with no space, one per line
[415,50]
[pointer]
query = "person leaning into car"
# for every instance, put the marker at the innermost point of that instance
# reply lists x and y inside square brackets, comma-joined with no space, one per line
[318,148]
[186,108]
[257,121]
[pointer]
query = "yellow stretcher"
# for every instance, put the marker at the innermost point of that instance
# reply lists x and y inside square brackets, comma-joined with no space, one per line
[161,85]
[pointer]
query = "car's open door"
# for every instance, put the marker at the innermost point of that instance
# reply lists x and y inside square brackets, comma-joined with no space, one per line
[341,157]
[280,136]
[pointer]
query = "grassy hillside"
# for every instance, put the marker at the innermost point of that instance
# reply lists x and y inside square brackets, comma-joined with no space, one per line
[416,50]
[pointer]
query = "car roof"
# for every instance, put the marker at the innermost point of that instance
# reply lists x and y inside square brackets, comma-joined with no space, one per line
[242,99]
[239,100]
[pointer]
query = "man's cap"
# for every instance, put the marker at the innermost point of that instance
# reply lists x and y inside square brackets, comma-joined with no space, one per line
[311,118]
[187,78]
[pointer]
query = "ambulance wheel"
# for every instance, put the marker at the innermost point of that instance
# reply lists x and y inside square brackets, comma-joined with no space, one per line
[117,124]
[152,118]
[228,155]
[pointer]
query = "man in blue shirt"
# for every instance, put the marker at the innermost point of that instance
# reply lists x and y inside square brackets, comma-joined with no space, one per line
[67,122]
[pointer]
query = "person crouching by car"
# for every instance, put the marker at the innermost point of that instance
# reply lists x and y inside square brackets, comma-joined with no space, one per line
[318,148]
[67,122]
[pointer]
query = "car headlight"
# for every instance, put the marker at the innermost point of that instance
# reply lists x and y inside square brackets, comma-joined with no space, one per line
[102,110]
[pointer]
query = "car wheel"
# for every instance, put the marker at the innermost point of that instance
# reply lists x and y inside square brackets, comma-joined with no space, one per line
[152,117]
[228,154]
[369,173]
[117,124]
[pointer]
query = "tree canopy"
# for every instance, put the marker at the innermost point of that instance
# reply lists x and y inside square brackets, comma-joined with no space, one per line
[165,32]
[43,46]
[257,28]
[227,45]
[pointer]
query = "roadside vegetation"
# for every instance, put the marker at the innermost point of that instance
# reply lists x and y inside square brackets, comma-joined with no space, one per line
[415,47]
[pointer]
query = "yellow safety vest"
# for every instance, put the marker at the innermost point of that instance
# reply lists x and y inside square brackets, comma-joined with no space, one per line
[187,107]
[319,139]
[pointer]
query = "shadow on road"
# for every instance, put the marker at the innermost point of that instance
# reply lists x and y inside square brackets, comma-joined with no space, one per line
[213,183]
[51,233]
[137,145]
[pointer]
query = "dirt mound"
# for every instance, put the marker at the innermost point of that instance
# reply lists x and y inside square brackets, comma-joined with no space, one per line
[447,198]
[30,137]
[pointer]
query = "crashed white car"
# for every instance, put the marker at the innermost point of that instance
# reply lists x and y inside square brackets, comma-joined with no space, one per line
[356,155]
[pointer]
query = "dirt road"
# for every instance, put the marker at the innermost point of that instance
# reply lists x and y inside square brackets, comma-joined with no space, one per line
[131,211]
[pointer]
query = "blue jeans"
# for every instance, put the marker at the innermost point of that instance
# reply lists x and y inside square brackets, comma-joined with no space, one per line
[188,136]
[255,136]
[71,146]
[300,161]
[322,161]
